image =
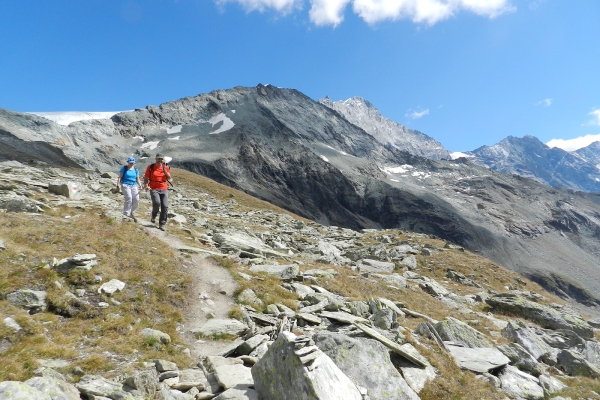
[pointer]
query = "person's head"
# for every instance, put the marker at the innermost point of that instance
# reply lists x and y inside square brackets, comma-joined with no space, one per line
[159,158]
[130,160]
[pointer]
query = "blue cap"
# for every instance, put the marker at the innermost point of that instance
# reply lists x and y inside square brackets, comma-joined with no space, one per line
[131,160]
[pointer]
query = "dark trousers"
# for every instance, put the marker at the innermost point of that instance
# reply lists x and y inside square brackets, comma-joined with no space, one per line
[160,200]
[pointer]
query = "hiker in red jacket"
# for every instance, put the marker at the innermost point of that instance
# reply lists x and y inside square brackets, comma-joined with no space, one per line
[155,180]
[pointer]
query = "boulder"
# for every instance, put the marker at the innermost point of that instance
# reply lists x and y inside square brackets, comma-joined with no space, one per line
[520,385]
[144,381]
[367,265]
[32,300]
[71,190]
[551,385]
[111,287]
[238,394]
[156,335]
[96,385]
[520,358]
[249,345]
[528,339]
[233,376]
[545,316]
[392,279]
[591,352]
[410,262]
[367,363]
[433,288]
[217,327]
[456,331]
[478,360]
[415,376]
[248,296]
[20,391]
[13,202]
[575,364]
[57,389]
[303,373]
[191,378]
[283,272]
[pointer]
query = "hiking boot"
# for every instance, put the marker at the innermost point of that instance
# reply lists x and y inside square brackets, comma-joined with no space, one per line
[133,217]
[153,220]
[162,228]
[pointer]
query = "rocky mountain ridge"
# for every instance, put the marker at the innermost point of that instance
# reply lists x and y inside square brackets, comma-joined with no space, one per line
[413,325]
[281,146]
[529,157]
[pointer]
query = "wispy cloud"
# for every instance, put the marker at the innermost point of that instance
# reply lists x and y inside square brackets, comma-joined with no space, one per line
[574,144]
[595,117]
[281,6]
[331,12]
[417,114]
[545,103]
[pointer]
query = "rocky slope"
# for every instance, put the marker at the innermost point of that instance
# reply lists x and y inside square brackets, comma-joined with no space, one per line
[281,146]
[347,314]
[364,115]
[531,158]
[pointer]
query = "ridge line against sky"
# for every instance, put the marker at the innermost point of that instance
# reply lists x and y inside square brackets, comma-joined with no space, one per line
[465,72]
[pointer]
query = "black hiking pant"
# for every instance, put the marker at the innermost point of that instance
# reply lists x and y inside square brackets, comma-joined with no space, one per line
[160,200]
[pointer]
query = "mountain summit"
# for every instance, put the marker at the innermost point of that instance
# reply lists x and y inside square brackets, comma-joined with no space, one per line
[364,115]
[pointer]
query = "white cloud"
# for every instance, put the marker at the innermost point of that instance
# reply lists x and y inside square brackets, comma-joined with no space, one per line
[417,114]
[595,117]
[574,144]
[282,6]
[545,103]
[331,12]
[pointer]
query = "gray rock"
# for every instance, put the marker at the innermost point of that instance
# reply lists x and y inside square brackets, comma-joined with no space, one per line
[331,253]
[57,389]
[575,364]
[433,288]
[98,386]
[410,262]
[285,272]
[221,327]
[156,335]
[32,300]
[191,378]
[456,331]
[416,376]
[520,385]
[238,394]
[546,316]
[233,376]
[478,360]
[303,373]
[165,365]
[71,190]
[13,202]
[10,322]
[392,279]
[591,352]
[551,385]
[367,265]
[2,245]
[249,345]
[249,297]
[367,363]
[20,391]
[384,319]
[111,287]
[529,340]
[211,363]
[144,381]
[520,358]
[301,289]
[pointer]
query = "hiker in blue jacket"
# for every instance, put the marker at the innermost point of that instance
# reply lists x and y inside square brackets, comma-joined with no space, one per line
[130,184]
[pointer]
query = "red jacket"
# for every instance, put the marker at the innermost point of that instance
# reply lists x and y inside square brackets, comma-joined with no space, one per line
[156,174]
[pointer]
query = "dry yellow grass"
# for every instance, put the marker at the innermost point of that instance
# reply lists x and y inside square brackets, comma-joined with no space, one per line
[154,293]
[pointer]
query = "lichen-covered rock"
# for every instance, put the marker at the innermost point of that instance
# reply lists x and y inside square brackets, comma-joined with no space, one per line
[546,316]
[367,363]
[290,371]
[575,364]
[528,339]
[57,389]
[520,358]
[98,386]
[289,271]
[20,391]
[144,381]
[520,385]
[456,331]
[156,335]
[32,300]
[216,327]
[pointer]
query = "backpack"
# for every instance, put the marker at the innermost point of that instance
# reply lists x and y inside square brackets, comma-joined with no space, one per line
[164,171]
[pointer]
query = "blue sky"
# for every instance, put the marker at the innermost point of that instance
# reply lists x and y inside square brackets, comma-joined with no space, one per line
[466,72]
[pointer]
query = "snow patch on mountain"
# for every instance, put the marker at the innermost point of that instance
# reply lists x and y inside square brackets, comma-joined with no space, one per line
[227,123]
[175,129]
[402,169]
[68,117]
[150,145]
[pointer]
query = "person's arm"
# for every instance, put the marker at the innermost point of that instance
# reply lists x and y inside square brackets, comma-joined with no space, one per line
[119,180]
[147,180]
[138,181]
[168,173]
